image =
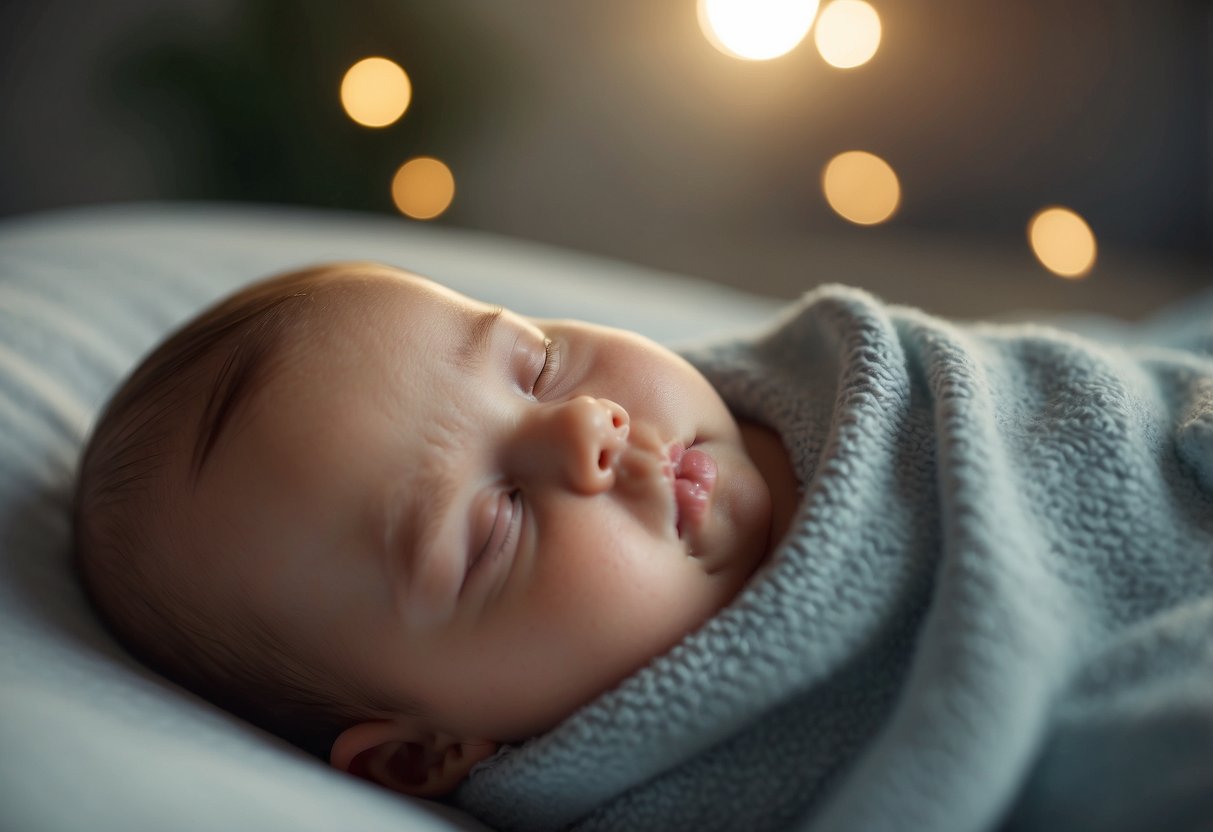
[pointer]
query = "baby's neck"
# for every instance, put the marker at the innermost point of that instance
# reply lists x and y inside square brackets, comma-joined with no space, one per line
[769,456]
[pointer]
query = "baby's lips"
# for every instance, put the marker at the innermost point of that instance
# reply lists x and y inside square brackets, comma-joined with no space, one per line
[696,466]
[695,475]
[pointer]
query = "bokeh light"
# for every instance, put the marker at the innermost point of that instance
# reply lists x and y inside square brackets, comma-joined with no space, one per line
[861,187]
[1062,242]
[423,188]
[375,92]
[756,30]
[847,33]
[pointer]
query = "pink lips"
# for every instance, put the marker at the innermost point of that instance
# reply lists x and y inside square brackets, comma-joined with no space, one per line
[694,477]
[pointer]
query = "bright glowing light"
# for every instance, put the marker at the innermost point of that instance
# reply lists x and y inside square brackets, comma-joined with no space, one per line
[756,30]
[423,188]
[375,92]
[861,187]
[847,33]
[1062,242]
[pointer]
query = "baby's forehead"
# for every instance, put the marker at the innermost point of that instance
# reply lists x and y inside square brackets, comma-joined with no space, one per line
[358,320]
[375,278]
[363,327]
[384,290]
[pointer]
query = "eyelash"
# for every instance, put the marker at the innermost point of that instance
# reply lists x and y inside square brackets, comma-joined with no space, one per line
[551,365]
[511,536]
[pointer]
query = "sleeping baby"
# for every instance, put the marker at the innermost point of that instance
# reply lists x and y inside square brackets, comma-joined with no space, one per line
[864,570]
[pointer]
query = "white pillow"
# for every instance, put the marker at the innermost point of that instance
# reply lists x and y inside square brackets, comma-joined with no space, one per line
[89,739]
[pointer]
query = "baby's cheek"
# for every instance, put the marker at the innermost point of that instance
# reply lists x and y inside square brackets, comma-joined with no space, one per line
[746,506]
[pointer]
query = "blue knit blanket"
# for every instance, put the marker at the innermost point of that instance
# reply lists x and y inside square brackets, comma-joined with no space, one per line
[994,609]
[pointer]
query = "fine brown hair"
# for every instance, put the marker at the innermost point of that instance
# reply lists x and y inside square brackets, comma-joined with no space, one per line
[152,440]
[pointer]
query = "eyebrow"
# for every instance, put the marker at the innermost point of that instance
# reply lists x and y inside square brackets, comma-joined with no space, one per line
[472,350]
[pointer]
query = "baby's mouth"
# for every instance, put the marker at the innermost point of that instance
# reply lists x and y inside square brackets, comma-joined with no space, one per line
[694,477]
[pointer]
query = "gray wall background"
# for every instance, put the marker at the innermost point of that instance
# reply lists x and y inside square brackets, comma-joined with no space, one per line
[616,128]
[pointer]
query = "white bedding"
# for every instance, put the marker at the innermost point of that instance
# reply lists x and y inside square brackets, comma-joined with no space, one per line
[88,738]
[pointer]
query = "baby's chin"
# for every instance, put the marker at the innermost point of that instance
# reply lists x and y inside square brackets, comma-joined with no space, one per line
[750,545]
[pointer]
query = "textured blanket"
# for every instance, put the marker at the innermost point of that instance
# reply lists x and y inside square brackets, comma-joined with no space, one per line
[994,609]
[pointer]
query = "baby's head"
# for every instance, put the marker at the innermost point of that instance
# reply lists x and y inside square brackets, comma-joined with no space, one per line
[399,527]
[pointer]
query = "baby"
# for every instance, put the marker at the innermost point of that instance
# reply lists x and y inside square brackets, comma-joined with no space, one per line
[378,516]
[867,569]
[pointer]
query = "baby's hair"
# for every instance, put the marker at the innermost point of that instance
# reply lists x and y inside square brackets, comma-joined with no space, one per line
[152,440]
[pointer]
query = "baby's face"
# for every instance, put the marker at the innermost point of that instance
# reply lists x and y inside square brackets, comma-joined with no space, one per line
[495,517]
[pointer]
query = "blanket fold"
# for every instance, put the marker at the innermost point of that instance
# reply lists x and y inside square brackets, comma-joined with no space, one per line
[998,589]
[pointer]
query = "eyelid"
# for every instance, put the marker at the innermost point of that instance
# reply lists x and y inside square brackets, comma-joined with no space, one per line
[480,538]
[551,366]
[503,533]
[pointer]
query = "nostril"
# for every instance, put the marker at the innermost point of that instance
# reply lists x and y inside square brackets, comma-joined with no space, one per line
[616,420]
[604,461]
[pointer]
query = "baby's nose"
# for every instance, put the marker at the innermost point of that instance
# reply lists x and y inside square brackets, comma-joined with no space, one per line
[589,436]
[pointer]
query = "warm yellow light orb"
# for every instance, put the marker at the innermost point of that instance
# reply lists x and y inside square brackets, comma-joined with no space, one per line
[756,30]
[847,33]
[423,188]
[1062,242]
[375,92]
[861,187]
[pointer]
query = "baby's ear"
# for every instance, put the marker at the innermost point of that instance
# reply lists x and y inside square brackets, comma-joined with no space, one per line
[407,758]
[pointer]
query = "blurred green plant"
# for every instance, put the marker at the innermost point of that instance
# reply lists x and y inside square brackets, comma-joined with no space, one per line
[252,112]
